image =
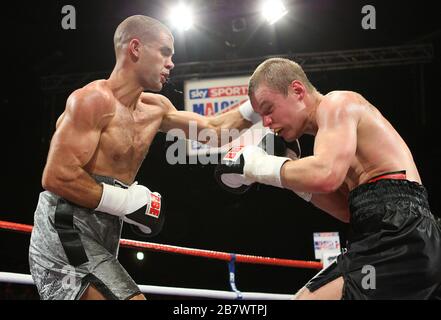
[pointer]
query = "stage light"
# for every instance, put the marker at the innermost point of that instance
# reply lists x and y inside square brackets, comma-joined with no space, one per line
[140,255]
[181,17]
[273,10]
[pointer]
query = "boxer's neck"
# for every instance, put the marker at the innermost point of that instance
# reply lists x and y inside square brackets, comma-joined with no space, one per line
[125,87]
[312,101]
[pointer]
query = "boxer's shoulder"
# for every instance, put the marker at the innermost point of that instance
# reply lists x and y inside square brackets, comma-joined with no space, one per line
[153,98]
[97,87]
[340,102]
[338,97]
[157,100]
[342,98]
[94,99]
[97,92]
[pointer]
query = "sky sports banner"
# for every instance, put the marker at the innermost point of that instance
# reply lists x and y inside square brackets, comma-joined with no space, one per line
[209,97]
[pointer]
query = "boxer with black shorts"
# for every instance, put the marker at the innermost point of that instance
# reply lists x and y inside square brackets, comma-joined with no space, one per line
[361,172]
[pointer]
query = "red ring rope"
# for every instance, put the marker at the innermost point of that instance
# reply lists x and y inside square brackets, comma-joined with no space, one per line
[190,251]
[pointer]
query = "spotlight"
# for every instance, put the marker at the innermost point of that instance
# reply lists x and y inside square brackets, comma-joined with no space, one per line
[140,255]
[181,17]
[273,10]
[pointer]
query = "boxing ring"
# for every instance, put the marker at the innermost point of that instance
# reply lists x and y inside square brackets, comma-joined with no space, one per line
[230,258]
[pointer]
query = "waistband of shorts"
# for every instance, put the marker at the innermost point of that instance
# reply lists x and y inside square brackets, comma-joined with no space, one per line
[109,180]
[399,175]
[384,190]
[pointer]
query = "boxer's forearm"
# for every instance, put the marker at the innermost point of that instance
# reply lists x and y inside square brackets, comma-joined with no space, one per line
[214,130]
[229,120]
[74,185]
[309,174]
[228,126]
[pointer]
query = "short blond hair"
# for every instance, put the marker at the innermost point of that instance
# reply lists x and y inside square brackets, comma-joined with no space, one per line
[141,27]
[278,74]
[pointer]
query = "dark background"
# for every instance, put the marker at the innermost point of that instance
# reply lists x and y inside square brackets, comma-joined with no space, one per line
[266,221]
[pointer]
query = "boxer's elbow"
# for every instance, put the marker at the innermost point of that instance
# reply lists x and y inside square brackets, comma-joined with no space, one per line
[342,214]
[345,216]
[48,180]
[335,204]
[51,183]
[56,179]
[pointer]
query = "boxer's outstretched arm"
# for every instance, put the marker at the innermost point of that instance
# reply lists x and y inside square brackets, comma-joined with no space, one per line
[334,148]
[73,145]
[174,119]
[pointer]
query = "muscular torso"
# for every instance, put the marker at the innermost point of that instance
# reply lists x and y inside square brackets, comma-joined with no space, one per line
[380,148]
[125,141]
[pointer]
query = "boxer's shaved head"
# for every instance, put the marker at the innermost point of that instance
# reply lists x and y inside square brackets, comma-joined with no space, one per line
[144,28]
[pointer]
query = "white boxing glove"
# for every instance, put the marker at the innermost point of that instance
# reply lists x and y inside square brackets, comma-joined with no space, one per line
[136,204]
[263,168]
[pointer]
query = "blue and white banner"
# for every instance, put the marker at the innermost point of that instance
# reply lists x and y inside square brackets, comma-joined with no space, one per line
[209,97]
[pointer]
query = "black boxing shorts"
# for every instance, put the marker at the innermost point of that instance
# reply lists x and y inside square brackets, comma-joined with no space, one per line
[74,247]
[394,248]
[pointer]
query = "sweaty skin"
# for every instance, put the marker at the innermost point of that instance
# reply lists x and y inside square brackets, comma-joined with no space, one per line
[353,143]
[99,135]
[108,125]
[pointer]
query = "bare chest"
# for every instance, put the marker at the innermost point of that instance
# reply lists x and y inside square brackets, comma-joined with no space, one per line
[128,137]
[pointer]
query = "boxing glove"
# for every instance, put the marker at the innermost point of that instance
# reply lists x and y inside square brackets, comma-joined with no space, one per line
[137,205]
[242,166]
[229,173]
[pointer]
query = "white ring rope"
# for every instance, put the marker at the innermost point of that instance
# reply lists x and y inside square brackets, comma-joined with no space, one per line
[21,278]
